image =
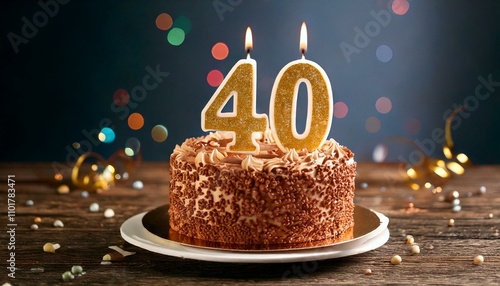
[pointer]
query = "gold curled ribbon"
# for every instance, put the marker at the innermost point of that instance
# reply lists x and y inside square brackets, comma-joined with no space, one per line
[433,172]
[448,147]
[456,162]
[438,171]
[92,172]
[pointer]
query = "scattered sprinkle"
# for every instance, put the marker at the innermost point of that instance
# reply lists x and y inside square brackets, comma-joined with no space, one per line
[396,259]
[411,205]
[451,222]
[109,213]
[138,185]
[94,207]
[482,190]
[490,215]
[84,194]
[457,208]
[30,203]
[76,269]
[34,226]
[368,271]
[455,202]
[38,220]
[37,269]
[410,239]
[121,251]
[68,276]
[478,260]
[113,256]
[50,247]
[105,262]
[63,189]
[415,249]
[452,195]
[364,185]
[58,177]
[58,223]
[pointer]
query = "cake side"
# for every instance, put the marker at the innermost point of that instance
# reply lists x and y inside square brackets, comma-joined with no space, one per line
[269,198]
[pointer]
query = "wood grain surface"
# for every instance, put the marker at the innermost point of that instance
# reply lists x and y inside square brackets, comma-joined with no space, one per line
[446,255]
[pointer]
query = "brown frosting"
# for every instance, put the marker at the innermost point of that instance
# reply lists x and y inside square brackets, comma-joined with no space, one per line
[273,197]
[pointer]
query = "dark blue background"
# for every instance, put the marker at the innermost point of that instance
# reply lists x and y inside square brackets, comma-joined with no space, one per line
[62,81]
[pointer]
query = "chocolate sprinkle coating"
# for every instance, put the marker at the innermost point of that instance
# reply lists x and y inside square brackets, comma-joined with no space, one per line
[300,198]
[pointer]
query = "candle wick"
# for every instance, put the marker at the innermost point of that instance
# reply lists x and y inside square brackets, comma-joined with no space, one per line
[303,52]
[248,53]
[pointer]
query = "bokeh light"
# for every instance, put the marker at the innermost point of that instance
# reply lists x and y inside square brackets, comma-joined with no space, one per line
[176,36]
[132,146]
[413,126]
[183,23]
[400,7]
[220,51]
[159,133]
[214,78]
[164,21]
[340,109]
[383,105]
[121,97]
[384,53]
[107,135]
[135,121]
[372,124]
[380,153]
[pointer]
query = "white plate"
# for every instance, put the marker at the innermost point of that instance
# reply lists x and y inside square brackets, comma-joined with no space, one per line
[133,231]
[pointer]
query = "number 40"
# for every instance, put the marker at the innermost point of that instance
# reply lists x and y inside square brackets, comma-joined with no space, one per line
[244,122]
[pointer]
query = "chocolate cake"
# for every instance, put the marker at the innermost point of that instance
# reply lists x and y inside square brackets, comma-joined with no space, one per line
[273,197]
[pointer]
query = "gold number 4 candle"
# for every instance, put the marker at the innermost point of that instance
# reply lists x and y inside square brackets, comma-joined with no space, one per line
[243,121]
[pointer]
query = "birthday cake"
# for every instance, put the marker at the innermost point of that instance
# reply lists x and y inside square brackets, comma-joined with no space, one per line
[272,197]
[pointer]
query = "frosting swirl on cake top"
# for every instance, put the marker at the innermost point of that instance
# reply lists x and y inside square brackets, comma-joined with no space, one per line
[212,149]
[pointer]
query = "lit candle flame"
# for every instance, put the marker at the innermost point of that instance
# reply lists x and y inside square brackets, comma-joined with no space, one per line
[248,41]
[303,39]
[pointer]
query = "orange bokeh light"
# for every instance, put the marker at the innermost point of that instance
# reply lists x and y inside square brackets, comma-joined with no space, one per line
[220,51]
[164,21]
[135,121]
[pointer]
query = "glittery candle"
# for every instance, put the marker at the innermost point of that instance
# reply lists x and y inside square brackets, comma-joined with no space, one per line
[284,103]
[243,121]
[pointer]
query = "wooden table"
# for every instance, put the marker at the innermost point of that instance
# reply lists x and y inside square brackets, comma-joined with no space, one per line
[446,256]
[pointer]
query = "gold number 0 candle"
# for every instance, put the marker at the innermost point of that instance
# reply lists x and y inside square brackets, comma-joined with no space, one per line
[283,106]
[243,121]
